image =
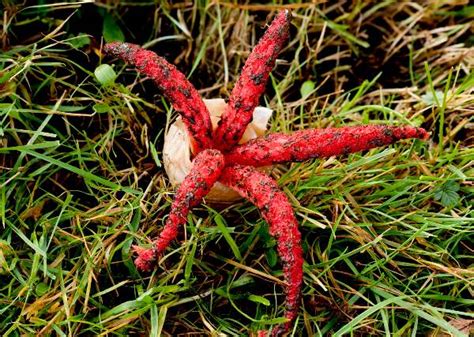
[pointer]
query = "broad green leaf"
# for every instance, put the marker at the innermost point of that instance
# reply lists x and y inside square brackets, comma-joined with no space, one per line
[306,88]
[111,30]
[41,289]
[272,257]
[80,41]
[259,299]
[447,194]
[242,281]
[105,75]
[101,108]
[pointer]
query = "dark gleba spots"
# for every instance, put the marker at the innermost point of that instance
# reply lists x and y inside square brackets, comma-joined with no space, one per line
[387,131]
[185,91]
[257,79]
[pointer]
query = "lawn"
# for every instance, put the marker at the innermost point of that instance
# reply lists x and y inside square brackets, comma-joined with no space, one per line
[387,234]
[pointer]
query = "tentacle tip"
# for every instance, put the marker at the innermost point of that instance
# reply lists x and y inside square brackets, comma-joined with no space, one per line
[123,50]
[423,134]
[146,258]
[287,13]
[111,47]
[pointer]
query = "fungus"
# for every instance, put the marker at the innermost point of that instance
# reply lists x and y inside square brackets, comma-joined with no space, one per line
[219,157]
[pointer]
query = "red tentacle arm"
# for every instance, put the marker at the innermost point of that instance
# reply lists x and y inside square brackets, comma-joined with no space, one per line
[174,86]
[275,208]
[207,167]
[315,143]
[251,83]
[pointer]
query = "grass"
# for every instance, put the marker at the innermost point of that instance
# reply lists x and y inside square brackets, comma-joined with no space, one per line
[387,234]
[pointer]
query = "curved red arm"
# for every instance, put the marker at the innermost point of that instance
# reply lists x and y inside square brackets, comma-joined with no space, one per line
[251,83]
[174,86]
[207,167]
[315,143]
[275,208]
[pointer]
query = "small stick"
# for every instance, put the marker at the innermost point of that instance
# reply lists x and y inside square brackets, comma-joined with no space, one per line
[174,86]
[207,167]
[264,193]
[315,143]
[251,83]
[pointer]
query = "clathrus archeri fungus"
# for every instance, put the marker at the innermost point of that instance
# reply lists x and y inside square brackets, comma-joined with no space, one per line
[219,158]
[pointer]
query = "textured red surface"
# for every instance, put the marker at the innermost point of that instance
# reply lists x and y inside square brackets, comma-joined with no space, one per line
[207,167]
[175,87]
[251,83]
[146,258]
[210,165]
[314,143]
[275,208]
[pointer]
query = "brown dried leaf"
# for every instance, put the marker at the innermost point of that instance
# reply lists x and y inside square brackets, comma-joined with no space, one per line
[34,212]
[466,326]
